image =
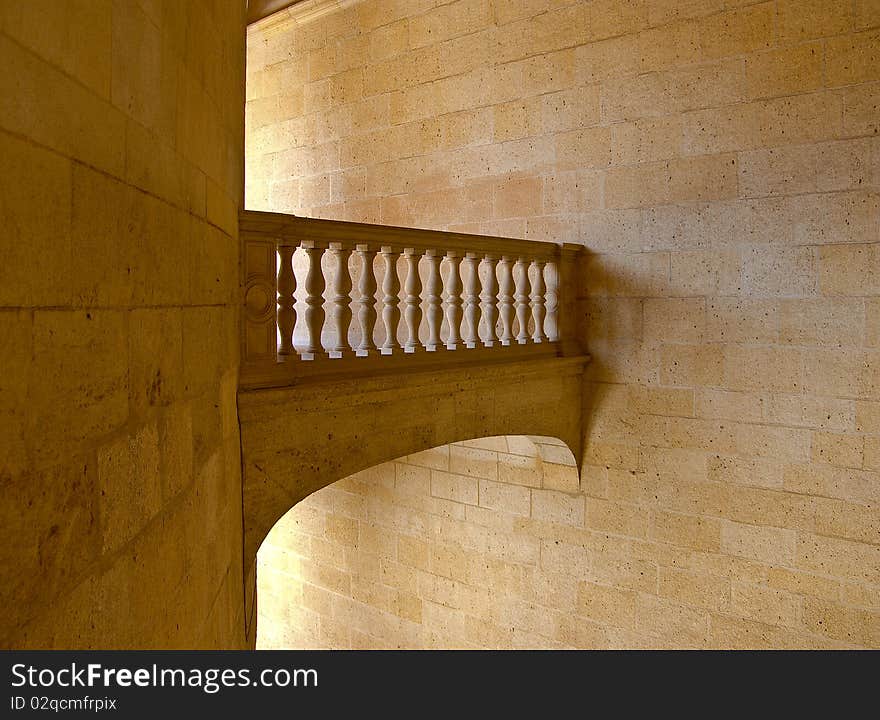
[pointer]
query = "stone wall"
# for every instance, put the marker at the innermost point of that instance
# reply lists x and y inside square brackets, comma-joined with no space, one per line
[121,138]
[720,159]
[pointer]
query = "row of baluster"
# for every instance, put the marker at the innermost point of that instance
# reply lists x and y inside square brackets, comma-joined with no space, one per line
[516,306]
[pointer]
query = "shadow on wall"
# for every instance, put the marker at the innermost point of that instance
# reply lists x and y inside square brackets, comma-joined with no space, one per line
[360,562]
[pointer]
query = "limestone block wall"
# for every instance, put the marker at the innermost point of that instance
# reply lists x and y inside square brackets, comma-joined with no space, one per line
[121,146]
[451,547]
[721,160]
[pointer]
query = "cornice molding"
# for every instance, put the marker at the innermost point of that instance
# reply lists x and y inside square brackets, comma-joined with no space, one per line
[297,14]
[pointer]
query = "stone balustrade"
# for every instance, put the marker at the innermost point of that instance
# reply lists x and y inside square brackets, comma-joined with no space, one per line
[311,306]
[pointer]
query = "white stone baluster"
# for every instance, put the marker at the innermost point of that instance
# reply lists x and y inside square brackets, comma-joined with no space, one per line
[286,286]
[433,288]
[314,312]
[390,300]
[521,299]
[488,301]
[340,297]
[412,300]
[452,298]
[551,322]
[366,313]
[537,298]
[505,300]
[471,299]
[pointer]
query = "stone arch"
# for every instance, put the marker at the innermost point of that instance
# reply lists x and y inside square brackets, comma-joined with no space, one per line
[296,440]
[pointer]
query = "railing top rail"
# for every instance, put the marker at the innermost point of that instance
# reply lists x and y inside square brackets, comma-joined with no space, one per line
[300,229]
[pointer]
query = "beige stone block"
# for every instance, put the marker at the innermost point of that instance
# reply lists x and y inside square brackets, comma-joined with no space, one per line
[646,140]
[617,519]
[695,589]
[853,374]
[855,627]
[128,475]
[72,120]
[517,197]
[872,453]
[608,18]
[36,185]
[814,18]
[838,558]
[663,11]
[516,119]
[84,389]
[860,109]
[557,507]
[570,109]
[766,544]
[866,14]
[738,31]
[700,533]
[849,269]
[836,322]
[56,542]
[505,498]
[559,477]
[661,401]
[838,449]
[778,171]
[413,552]
[669,46]
[726,405]
[767,605]
[852,59]
[785,71]
[672,623]
[675,319]
[519,470]
[473,462]
[607,605]
[681,180]
[802,118]
[669,92]
[389,40]
[605,59]
[584,148]
[868,417]
[155,356]
[737,633]
[454,487]
[742,320]
[780,271]
[691,365]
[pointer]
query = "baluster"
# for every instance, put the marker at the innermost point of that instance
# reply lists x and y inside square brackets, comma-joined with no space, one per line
[314,312]
[551,322]
[505,300]
[366,314]
[521,298]
[472,322]
[340,312]
[488,301]
[286,286]
[390,300]
[433,288]
[537,298]
[452,297]
[412,310]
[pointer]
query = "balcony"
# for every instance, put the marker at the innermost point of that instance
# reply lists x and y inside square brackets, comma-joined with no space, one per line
[364,343]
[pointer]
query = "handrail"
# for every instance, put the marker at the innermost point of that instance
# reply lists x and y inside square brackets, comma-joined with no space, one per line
[499,299]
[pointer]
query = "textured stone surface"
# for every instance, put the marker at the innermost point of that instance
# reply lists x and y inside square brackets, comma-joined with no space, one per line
[719,160]
[121,139]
